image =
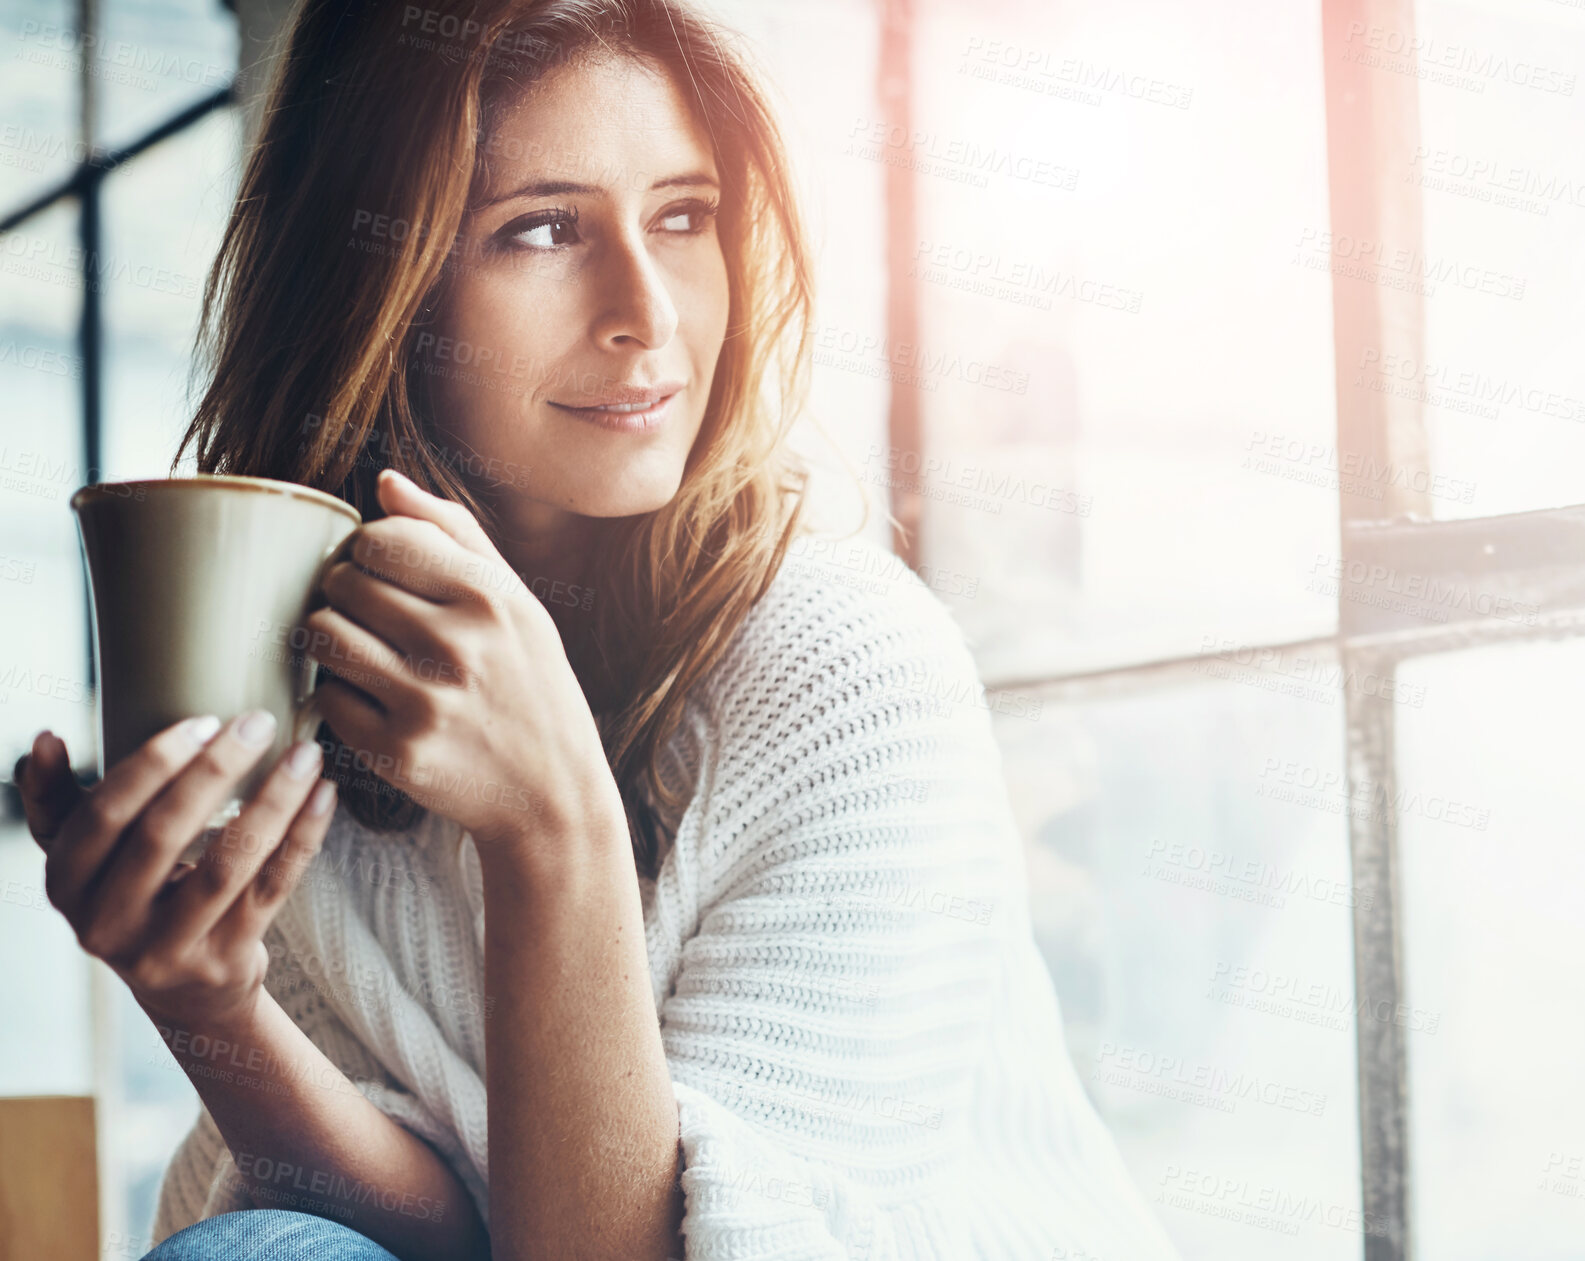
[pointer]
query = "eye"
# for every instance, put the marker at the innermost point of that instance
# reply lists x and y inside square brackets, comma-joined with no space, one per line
[543,230]
[700,211]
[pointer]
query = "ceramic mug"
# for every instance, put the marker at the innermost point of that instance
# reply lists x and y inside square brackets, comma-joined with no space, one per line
[199,586]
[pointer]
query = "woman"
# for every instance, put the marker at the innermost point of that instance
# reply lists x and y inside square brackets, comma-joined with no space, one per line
[678,869]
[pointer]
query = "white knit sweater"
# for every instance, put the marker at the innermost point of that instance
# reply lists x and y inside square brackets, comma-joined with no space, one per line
[864,1043]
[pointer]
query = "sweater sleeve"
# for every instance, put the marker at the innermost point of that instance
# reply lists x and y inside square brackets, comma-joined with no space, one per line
[201,1180]
[829,1015]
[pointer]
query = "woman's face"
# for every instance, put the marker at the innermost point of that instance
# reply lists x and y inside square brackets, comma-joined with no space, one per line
[589,280]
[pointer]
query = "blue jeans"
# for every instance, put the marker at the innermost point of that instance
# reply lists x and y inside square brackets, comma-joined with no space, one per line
[268,1234]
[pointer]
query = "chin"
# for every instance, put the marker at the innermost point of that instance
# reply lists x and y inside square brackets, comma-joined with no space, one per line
[626,500]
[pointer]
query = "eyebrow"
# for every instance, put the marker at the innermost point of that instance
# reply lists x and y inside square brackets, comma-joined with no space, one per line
[555,188]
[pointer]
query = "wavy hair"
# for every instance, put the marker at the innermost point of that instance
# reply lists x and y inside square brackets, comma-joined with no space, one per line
[314,343]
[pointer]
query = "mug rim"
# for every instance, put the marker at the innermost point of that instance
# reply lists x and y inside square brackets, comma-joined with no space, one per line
[235,481]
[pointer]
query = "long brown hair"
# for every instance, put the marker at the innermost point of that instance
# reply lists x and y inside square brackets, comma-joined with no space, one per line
[313,329]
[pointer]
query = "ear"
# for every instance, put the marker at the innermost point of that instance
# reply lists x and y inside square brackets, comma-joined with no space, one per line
[401,496]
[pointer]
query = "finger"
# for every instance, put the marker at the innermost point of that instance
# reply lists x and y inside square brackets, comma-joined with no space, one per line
[359,658]
[92,829]
[399,495]
[119,898]
[48,788]
[416,555]
[357,721]
[252,912]
[420,557]
[400,618]
[188,909]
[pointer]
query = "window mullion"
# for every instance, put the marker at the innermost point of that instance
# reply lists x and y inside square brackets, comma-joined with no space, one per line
[1372,124]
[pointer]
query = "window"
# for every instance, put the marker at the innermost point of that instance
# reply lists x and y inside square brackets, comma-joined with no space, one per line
[1292,619]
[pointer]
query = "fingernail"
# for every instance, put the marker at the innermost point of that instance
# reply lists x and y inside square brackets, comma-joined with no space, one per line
[257,728]
[302,759]
[202,730]
[322,797]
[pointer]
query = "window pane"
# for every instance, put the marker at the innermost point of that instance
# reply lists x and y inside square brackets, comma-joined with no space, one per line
[164,215]
[43,644]
[1493,940]
[157,56]
[38,99]
[1189,882]
[44,652]
[819,57]
[44,1039]
[1121,369]
[1503,184]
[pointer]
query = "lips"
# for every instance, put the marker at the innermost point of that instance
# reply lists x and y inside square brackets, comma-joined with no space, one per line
[621,399]
[626,408]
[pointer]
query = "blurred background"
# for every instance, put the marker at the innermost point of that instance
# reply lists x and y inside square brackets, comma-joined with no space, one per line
[1221,362]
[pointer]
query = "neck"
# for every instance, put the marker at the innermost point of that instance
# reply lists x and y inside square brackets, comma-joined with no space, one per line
[552,552]
[544,544]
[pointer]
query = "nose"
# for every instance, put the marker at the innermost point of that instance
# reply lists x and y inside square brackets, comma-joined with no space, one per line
[636,304]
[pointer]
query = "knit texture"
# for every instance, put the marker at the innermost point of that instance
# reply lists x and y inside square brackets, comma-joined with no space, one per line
[864,1043]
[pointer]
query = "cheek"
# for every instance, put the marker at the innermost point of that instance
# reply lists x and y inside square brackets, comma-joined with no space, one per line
[501,341]
[704,304]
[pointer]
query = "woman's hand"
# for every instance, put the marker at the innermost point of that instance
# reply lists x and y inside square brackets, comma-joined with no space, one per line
[451,682]
[185,937]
